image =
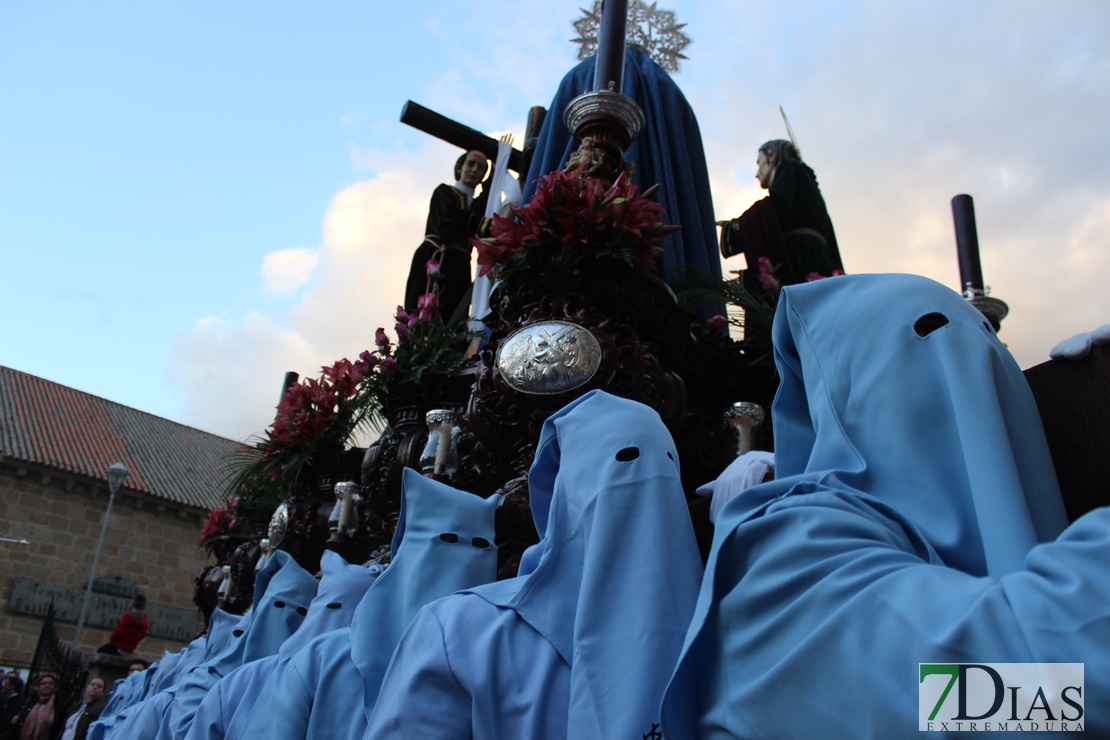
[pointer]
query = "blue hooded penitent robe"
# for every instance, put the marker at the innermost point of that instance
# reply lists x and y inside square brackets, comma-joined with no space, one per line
[282,593]
[224,710]
[581,644]
[143,715]
[915,519]
[668,152]
[444,542]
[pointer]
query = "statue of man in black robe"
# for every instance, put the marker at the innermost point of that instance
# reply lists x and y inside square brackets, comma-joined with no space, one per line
[790,227]
[452,220]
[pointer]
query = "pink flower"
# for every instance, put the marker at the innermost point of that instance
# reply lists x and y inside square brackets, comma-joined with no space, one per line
[814,276]
[402,332]
[716,322]
[388,364]
[768,281]
[767,275]
[402,315]
[432,267]
[381,339]
[837,272]
[429,301]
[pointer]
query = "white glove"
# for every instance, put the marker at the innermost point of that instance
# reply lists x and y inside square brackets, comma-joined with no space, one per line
[1079,346]
[744,472]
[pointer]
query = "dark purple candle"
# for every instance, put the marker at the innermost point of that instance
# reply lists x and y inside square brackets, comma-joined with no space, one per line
[610,45]
[967,243]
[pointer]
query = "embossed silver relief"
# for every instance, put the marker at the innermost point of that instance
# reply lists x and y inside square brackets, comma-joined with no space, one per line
[279,523]
[548,358]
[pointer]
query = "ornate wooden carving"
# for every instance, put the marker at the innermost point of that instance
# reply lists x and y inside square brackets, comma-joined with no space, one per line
[652,352]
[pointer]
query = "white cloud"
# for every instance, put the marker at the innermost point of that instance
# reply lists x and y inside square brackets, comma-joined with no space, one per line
[286,270]
[232,369]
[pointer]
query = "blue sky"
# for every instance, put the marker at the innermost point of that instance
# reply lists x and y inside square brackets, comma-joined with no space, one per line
[197,197]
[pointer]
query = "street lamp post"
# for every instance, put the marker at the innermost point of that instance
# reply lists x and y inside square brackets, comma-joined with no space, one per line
[117,474]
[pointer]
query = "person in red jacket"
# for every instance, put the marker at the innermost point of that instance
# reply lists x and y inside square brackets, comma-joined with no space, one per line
[130,631]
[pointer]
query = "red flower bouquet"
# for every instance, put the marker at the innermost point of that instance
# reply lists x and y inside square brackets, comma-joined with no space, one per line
[573,218]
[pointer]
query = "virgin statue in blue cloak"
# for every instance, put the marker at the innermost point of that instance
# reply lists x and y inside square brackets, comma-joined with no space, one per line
[668,152]
[915,519]
[581,643]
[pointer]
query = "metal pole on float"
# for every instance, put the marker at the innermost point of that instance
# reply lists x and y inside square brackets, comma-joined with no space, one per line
[971,269]
[609,72]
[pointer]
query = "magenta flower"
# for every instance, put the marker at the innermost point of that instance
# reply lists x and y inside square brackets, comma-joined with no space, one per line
[402,332]
[402,315]
[381,339]
[716,322]
[432,267]
[388,364]
[814,276]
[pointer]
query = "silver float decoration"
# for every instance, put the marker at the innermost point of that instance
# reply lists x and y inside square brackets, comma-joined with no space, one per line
[548,358]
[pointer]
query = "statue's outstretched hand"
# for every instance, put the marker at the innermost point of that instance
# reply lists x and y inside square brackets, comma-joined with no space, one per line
[1079,346]
[746,471]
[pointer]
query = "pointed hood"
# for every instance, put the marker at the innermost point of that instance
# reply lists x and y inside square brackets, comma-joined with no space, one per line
[878,371]
[444,543]
[616,574]
[282,593]
[341,587]
[909,455]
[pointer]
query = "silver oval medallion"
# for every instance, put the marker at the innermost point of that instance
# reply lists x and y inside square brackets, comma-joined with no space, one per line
[548,358]
[279,524]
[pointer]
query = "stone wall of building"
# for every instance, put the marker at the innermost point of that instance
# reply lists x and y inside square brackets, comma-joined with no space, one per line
[150,543]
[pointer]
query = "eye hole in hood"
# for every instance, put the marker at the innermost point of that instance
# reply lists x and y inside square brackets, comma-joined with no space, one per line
[929,323]
[628,454]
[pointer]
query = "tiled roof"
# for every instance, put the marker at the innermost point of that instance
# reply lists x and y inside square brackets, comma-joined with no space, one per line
[49,424]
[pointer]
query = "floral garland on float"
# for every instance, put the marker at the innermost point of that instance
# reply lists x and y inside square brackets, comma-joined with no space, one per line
[319,419]
[573,219]
[427,352]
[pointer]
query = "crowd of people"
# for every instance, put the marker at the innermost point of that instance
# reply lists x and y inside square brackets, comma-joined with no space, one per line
[39,716]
